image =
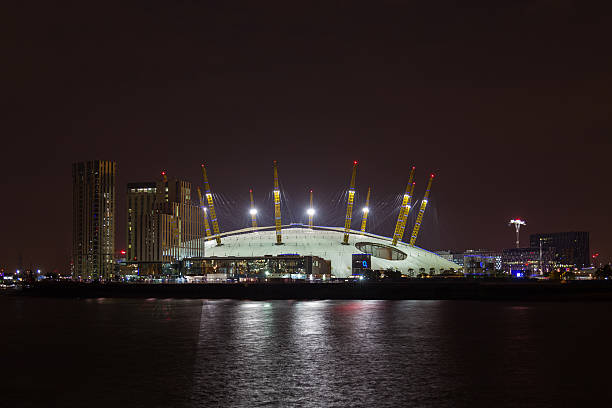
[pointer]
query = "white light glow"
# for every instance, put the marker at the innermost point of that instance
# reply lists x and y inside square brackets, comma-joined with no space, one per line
[517,221]
[365,209]
[253,211]
[310,211]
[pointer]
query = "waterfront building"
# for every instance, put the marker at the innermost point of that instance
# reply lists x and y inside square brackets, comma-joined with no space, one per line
[141,232]
[474,261]
[93,219]
[326,243]
[164,225]
[571,249]
[481,261]
[257,268]
[524,262]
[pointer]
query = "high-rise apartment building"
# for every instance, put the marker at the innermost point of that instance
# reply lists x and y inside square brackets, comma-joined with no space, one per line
[141,226]
[93,219]
[164,225]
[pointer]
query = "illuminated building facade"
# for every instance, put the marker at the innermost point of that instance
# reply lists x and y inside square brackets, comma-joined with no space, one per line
[524,262]
[162,221]
[571,249]
[93,219]
[141,231]
[257,268]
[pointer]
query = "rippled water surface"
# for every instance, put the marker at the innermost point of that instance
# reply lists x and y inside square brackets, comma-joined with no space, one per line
[190,353]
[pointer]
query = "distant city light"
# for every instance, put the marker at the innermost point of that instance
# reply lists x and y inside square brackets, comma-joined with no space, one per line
[310,211]
[253,211]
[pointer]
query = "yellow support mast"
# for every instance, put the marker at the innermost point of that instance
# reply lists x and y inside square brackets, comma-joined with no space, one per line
[349,205]
[211,206]
[366,210]
[310,212]
[253,211]
[417,224]
[406,212]
[404,209]
[277,209]
[206,225]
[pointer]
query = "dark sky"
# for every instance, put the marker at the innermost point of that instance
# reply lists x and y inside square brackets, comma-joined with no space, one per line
[510,107]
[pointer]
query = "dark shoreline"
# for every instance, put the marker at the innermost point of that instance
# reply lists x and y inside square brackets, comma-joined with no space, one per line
[444,289]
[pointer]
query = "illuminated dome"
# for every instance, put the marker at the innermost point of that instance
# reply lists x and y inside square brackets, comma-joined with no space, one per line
[326,242]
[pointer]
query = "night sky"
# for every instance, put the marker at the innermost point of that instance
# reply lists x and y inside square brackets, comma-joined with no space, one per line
[509,106]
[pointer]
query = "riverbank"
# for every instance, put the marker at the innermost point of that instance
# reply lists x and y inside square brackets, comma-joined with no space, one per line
[444,289]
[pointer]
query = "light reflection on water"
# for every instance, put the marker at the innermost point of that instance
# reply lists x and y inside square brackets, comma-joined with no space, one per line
[304,353]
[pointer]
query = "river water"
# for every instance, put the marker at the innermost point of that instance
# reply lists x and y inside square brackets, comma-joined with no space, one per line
[203,353]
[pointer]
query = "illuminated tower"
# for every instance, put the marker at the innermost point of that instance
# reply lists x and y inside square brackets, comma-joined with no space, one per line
[93,218]
[517,226]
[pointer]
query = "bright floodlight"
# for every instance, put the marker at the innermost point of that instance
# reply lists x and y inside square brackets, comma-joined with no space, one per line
[253,211]
[365,209]
[310,211]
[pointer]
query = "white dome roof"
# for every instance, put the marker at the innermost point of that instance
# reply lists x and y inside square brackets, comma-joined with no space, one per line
[324,242]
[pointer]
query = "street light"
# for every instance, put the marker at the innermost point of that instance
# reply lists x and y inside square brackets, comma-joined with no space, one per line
[310,211]
[253,211]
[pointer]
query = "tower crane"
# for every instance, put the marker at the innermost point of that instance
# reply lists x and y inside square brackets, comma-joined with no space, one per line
[277,209]
[253,211]
[365,210]
[417,224]
[310,212]
[206,225]
[349,205]
[398,234]
[211,205]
